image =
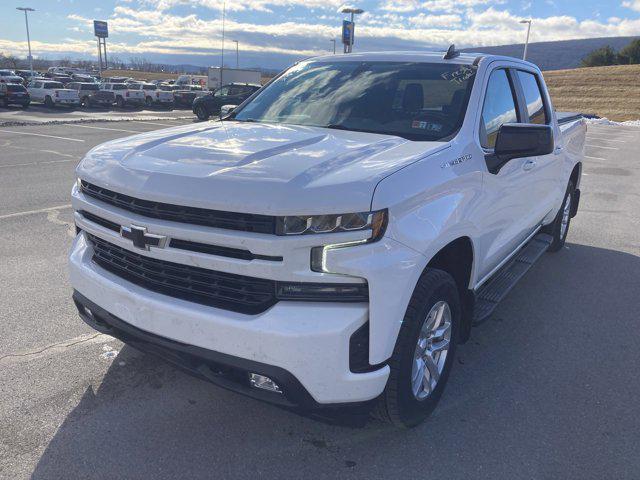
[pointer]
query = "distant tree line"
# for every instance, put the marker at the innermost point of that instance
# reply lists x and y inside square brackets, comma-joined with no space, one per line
[629,55]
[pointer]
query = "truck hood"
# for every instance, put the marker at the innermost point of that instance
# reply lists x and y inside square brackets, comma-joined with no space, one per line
[252,167]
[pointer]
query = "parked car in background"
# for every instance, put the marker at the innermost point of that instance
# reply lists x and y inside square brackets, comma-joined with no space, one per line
[83,77]
[153,95]
[52,93]
[232,94]
[124,96]
[14,94]
[116,79]
[91,95]
[184,95]
[9,76]
[27,75]
[62,78]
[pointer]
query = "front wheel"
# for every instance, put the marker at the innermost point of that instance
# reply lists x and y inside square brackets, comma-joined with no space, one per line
[201,113]
[424,351]
[120,102]
[48,102]
[559,228]
[148,101]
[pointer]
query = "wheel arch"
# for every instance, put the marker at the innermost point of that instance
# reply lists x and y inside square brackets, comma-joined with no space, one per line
[457,259]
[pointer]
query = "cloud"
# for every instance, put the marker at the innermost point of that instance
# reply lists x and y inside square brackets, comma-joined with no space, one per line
[633,5]
[446,21]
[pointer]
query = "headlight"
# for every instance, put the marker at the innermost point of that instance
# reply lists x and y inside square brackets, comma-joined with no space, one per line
[334,223]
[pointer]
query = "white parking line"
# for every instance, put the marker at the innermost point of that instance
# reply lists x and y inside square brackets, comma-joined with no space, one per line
[602,146]
[43,135]
[155,123]
[31,212]
[594,158]
[105,128]
[46,162]
[604,139]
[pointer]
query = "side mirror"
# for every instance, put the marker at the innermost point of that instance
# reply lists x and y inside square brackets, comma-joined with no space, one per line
[226,110]
[520,140]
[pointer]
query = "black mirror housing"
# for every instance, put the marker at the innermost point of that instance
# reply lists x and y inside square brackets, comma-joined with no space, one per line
[518,140]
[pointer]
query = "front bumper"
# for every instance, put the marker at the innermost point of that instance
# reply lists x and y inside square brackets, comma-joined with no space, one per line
[302,346]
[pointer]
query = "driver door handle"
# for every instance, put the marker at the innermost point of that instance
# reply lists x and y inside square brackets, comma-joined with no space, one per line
[529,165]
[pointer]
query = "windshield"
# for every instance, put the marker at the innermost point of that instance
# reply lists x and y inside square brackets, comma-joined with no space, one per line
[119,86]
[53,85]
[16,88]
[417,101]
[89,86]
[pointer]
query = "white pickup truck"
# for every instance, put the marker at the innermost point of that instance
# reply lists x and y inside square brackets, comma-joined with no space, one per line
[332,240]
[124,95]
[153,95]
[52,93]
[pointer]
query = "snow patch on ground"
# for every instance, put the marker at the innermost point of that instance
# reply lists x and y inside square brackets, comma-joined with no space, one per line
[17,123]
[606,121]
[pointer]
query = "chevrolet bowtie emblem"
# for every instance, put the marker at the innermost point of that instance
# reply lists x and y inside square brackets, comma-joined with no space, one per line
[141,239]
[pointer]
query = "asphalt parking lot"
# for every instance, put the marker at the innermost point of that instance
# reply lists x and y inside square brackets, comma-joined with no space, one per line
[548,388]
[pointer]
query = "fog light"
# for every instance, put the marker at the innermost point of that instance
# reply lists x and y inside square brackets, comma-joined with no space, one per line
[264,383]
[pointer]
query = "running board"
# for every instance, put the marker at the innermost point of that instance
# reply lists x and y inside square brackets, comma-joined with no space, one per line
[500,284]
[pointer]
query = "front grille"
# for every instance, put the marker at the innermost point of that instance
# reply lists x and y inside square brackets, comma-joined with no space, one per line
[228,291]
[246,222]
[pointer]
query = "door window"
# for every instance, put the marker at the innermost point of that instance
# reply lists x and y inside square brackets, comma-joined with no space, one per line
[499,107]
[533,97]
[223,92]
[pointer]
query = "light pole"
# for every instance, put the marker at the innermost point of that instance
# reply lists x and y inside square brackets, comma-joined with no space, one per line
[334,45]
[352,11]
[26,21]
[224,11]
[526,43]
[237,54]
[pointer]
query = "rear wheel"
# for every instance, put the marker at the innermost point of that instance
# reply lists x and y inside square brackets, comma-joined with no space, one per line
[48,102]
[201,113]
[424,351]
[85,102]
[559,228]
[120,102]
[148,101]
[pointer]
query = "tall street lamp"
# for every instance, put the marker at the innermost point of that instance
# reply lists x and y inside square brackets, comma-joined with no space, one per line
[352,11]
[526,43]
[333,40]
[237,54]
[26,21]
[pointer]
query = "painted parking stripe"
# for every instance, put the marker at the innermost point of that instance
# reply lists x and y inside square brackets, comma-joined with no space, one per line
[43,135]
[31,212]
[594,158]
[111,129]
[602,146]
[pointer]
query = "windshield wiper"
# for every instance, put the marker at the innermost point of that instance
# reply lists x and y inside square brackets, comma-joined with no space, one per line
[338,126]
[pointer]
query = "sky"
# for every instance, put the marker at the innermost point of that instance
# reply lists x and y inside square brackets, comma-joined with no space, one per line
[276,33]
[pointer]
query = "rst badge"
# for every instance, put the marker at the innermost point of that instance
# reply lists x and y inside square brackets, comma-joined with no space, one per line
[457,161]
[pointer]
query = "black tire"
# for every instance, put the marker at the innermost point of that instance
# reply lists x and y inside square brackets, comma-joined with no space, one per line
[398,405]
[202,113]
[5,102]
[85,102]
[120,102]
[48,102]
[555,228]
[148,101]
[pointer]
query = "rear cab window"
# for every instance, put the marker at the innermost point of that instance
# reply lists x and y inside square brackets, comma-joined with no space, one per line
[499,107]
[535,104]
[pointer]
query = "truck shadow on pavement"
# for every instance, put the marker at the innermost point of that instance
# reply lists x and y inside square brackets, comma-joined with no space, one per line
[533,380]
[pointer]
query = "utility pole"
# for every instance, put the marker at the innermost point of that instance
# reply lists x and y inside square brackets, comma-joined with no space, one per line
[237,54]
[224,11]
[526,43]
[26,21]
[333,40]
